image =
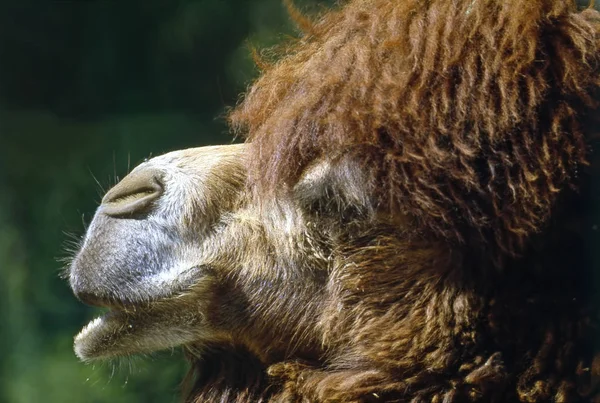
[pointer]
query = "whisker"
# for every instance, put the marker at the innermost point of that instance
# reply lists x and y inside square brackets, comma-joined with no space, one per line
[97,182]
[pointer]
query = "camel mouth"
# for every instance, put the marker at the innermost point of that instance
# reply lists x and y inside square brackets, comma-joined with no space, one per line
[108,335]
[107,329]
[106,303]
[121,322]
[144,322]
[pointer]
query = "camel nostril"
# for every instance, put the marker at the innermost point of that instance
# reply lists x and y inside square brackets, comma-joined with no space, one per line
[135,194]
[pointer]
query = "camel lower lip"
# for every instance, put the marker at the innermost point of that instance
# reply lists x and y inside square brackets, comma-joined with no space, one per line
[147,324]
[103,336]
[103,331]
[149,327]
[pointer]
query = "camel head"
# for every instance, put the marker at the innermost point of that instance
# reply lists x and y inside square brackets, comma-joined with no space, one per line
[181,253]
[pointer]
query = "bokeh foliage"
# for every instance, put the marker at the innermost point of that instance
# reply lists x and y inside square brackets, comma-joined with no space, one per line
[87,90]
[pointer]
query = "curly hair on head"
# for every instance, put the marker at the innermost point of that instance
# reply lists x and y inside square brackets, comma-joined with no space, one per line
[466,115]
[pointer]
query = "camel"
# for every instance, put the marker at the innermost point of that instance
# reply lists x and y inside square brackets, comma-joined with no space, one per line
[405,221]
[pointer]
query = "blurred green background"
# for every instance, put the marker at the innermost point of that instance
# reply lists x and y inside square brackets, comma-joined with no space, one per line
[89,88]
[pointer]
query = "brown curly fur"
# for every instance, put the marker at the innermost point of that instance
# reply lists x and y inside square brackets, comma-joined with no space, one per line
[466,114]
[471,121]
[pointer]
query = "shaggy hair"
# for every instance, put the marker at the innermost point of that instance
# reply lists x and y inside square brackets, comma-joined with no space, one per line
[466,114]
[409,220]
[471,120]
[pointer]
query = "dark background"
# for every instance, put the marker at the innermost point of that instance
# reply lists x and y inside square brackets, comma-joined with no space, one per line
[89,88]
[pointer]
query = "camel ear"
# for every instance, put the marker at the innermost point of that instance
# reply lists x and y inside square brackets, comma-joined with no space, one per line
[337,187]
